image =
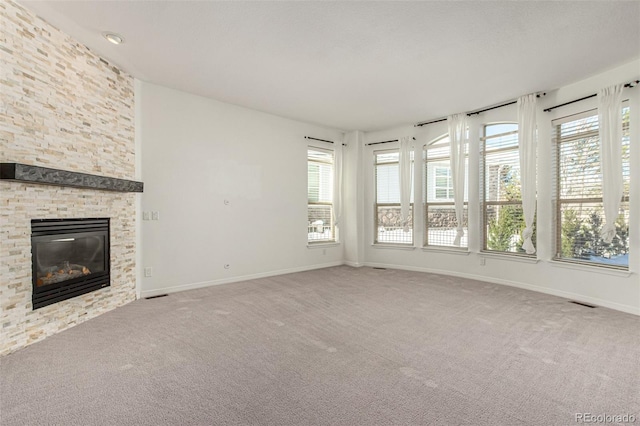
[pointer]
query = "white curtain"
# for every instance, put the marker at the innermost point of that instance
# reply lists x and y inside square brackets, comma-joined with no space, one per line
[458,137]
[405,180]
[528,143]
[337,184]
[610,130]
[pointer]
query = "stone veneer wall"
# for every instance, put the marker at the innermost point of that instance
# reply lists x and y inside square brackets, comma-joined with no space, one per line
[62,107]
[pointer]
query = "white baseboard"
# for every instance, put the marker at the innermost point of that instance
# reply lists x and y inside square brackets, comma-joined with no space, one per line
[192,286]
[554,292]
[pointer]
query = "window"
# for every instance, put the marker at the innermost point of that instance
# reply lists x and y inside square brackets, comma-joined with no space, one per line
[388,220]
[320,226]
[440,218]
[579,208]
[503,217]
[443,183]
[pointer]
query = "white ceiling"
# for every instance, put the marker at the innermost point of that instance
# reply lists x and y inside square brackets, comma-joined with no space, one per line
[356,65]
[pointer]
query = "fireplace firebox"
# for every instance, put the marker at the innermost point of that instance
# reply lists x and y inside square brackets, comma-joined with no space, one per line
[70,257]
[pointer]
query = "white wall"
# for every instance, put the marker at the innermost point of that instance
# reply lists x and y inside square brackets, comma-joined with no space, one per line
[618,290]
[196,153]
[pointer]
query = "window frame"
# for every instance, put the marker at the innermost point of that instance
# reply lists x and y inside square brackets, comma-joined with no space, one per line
[558,202]
[484,203]
[449,201]
[376,205]
[333,239]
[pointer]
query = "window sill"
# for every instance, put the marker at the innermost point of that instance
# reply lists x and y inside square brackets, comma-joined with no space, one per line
[512,257]
[590,268]
[323,245]
[459,251]
[393,246]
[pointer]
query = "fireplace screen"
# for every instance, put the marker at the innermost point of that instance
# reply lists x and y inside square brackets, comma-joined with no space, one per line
[70,257]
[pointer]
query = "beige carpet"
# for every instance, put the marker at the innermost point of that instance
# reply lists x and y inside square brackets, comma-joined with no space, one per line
[338,346]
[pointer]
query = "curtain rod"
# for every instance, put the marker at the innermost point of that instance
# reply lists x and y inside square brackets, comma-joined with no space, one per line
[393,140]
[322,140]
[632,84]
[490,108]
[430,122]
[469,114]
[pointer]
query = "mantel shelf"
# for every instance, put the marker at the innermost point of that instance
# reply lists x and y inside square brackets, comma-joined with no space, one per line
[46,176]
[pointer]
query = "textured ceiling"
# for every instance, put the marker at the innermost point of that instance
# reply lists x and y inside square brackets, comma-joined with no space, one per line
[356,65]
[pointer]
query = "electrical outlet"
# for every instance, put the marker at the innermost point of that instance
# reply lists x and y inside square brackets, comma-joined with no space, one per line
[148,271]
[155,215]
[324,251]
[483,261]
[146,216]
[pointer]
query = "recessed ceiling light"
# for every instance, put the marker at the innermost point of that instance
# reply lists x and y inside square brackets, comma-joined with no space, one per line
[114,38]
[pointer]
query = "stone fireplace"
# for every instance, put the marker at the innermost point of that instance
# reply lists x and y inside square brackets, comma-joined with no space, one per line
[67,109]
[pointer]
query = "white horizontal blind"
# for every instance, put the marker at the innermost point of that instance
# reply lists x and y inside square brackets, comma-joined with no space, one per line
[503,219]
[320,226]
[440,218]
[388,220]
[578,181]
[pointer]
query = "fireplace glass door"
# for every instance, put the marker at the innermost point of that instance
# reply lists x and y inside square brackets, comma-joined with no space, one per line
[70,257]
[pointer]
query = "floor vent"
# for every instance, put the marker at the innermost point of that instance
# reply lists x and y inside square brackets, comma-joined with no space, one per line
[583,304]
[384,269]
[155,297]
